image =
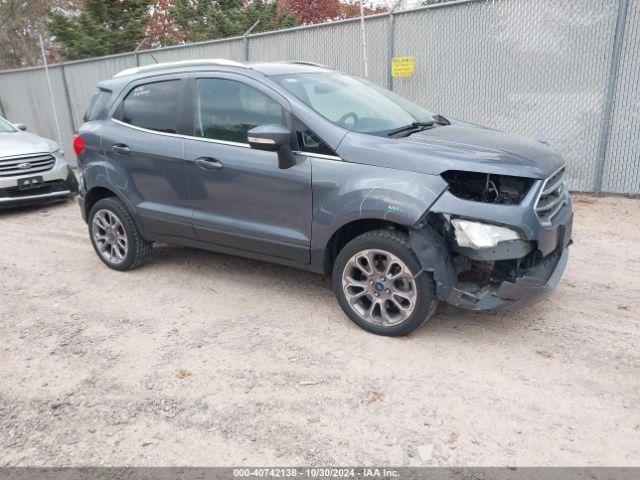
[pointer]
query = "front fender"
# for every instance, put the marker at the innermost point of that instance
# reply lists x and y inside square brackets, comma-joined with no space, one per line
[344,192]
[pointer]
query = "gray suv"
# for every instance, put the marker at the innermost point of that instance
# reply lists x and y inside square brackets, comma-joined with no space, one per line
[305,166]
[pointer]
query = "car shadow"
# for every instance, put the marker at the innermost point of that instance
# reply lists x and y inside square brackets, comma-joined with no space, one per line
[177,255]
[446,321]
[26,209]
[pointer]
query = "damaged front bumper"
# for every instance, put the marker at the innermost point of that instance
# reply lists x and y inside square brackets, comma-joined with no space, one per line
[513,273]
[534,284]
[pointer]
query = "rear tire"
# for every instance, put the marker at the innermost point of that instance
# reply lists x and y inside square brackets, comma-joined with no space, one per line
[115,237]
[375,283]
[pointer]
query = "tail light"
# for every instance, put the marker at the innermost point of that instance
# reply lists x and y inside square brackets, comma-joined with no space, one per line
[78,144]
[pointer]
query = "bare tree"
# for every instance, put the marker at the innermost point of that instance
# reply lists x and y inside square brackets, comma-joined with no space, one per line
[21,21]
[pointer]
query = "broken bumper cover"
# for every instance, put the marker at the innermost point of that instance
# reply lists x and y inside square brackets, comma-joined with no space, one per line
[525,290]
[527,285]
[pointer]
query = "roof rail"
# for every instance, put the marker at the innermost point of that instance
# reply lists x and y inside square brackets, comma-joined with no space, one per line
[182,63]
[297,62]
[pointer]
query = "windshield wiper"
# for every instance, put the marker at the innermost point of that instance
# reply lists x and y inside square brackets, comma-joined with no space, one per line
[418,126]
[412,127]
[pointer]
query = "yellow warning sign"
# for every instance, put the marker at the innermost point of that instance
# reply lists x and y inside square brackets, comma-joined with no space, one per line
[401,66]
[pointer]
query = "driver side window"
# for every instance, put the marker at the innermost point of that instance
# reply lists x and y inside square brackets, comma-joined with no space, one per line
[228,109]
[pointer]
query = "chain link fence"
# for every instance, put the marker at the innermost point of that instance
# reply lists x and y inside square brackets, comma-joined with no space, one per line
[565,72]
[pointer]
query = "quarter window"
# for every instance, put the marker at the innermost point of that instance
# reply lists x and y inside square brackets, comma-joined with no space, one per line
[153,106]
[311,143]
[227,110]
[98,103]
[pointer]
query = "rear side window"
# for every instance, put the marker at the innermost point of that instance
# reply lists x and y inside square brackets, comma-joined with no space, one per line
[227,110]
[98,104]
[153,106]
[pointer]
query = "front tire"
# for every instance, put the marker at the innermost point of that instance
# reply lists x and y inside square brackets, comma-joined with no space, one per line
[377,281]
[115,237]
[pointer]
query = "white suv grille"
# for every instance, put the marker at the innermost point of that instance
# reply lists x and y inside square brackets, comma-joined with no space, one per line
[14,166]
[553,196]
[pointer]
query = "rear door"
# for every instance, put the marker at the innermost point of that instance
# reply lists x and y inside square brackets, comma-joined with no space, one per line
[141,140]
[240,198]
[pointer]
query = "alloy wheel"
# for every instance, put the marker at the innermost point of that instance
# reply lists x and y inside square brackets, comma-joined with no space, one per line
[379,287]
[109,236]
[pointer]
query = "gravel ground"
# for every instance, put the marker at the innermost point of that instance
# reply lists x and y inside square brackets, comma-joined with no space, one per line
[204,359]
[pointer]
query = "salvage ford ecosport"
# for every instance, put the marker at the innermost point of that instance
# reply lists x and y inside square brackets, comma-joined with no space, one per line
[305,166]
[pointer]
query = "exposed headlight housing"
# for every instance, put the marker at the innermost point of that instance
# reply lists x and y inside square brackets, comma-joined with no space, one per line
[487,188]
[479,235]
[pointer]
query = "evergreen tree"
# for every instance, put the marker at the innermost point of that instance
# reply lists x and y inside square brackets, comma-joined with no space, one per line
[210,19]
[103,27]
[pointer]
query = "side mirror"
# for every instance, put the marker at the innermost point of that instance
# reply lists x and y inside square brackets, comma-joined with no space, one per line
[20,126]
[273,138]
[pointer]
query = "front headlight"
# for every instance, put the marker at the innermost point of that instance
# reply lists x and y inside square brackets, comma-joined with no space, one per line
[481,235]
[59,156]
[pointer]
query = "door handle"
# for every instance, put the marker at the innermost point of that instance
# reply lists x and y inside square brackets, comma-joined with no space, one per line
[208,163]
[120,148]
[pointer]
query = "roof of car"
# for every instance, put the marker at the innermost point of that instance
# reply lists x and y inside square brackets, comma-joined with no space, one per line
[288,68]
[272,68]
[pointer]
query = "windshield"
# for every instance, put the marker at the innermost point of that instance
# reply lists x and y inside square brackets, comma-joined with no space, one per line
[354,103]
[6,127]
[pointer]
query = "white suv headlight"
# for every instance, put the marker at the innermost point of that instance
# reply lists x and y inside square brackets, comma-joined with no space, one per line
[481,235]
[59,156]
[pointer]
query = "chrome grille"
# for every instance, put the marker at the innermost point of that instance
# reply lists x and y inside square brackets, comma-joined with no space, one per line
[14,166]
[553,196]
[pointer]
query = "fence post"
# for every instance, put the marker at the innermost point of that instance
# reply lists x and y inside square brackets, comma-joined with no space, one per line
[607,115]
[365,56]
[67,97]
[135,51]
[391,33]
[246,40]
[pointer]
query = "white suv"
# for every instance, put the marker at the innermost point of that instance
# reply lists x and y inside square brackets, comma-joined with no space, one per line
[32,169]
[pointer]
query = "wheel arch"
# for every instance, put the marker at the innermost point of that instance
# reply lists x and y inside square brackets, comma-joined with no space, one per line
[98,192]
[350,230]
[353,196]
[93,195]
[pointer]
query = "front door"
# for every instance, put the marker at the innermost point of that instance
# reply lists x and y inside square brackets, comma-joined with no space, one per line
[240,198]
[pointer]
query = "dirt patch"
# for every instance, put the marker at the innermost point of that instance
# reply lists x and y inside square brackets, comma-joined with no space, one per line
[206,359]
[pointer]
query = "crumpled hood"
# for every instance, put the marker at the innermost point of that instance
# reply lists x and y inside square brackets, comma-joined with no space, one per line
[24,143]
[454,147]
